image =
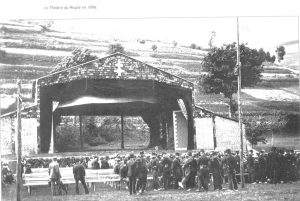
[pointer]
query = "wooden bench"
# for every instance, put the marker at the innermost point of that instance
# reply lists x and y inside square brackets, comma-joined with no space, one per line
[40,177]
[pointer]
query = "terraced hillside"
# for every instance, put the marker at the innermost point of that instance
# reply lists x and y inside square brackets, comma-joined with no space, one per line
[29,51]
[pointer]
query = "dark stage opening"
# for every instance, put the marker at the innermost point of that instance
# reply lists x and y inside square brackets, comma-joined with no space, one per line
[92,133]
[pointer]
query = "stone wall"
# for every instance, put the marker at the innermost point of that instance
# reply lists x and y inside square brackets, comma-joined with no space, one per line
[7,130]
[228,135]
[217,132]
[28,132]
[204,133]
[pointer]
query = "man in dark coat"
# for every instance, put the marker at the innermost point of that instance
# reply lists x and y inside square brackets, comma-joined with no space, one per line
[154,168]
[123,171]
[131,174]
[250,167]
[203,171]
[177,171]
[190,171]
[282,167]
[272,166]
[216,170]
[95,164]
[79,175]
[166,163]
[229,163]
[104,163]
[141,172]
[262,167]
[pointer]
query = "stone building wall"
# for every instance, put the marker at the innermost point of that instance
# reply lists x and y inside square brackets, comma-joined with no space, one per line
[225,131]
[28,132]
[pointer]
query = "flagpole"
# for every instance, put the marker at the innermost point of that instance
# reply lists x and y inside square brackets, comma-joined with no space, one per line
[238,64]
[19,142]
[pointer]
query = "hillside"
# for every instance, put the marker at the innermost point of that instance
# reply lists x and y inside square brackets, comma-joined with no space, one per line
[31,51]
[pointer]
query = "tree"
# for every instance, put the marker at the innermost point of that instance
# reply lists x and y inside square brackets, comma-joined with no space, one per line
[193,46]
[220,68]
[211,40]
[280,51]
[154,47]
[266,56]
[174,43]
[256,131]
[79,56]
[114,48]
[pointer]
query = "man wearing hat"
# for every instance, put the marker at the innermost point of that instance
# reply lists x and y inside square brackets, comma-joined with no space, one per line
[203,171]
[216,170]
[54,175]
[229,163]
[131,174]
[250,167]
[79,175]
[166,164]
[262,163]
[141,172]
[154,167]
[190,171]
[177,171]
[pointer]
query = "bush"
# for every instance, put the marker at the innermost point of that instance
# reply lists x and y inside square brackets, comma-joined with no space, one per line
[114,48]
[193,46]
[67,138]
[154,47]
[174,43]
[95,141]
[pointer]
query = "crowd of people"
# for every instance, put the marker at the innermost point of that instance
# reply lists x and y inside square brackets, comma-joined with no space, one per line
[182,170]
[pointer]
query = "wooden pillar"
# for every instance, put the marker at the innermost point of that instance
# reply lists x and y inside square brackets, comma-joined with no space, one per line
[214,130]
[80,133]
[122,132]
[19,145]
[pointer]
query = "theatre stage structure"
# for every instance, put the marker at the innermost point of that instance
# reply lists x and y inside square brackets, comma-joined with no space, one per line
[118,85]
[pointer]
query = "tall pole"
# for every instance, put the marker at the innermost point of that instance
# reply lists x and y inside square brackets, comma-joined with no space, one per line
[122,132]
[19,151]
[80,133]
[238,65]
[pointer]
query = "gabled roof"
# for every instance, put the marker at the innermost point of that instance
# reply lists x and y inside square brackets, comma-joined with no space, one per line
[115,66]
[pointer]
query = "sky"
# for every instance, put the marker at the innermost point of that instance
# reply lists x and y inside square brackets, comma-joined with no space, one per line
[265,32]
[162,20]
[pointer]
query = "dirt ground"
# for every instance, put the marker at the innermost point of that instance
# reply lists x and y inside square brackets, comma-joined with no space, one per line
[251,192]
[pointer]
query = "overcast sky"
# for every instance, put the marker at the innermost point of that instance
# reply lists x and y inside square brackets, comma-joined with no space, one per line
[265,32]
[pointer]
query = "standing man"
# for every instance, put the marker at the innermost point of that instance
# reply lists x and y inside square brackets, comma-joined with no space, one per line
[272,166]
[177,170]
[190,171]
[216,170]
[262,167]
[250,167]
[166,164]
[95,164]
[203,171]
[131,173]
[154,168]
[79,175]
[141,172]
[229,163]
[54,175]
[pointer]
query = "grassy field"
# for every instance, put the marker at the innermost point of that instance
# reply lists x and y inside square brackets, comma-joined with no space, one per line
[252,192]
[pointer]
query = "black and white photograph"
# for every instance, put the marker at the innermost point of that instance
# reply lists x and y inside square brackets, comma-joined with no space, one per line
[126,100]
